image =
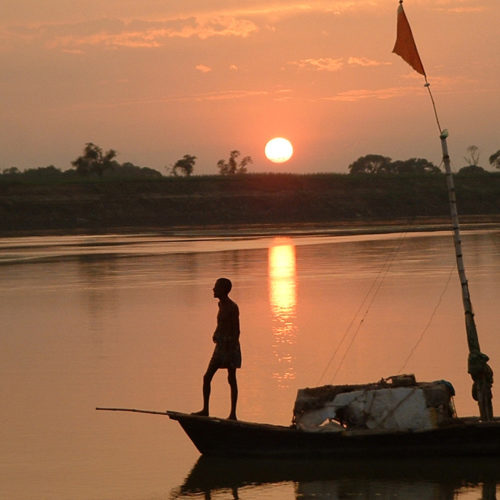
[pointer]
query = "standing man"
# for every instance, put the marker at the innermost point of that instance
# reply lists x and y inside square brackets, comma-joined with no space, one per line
[227,353]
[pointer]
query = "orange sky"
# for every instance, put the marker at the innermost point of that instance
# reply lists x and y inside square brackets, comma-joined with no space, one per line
[156,81]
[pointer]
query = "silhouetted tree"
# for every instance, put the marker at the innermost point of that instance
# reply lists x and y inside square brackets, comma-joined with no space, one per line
[473,158]
[94,160]
[472,167]
[129,170]
[378,164]
[50,170]
[233,166]
[472,170]
[185,166]
[36,172]
[495,159]
[11,171]
[370,164]
[414,166]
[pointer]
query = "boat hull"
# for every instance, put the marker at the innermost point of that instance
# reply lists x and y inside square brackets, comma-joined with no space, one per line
[219,437]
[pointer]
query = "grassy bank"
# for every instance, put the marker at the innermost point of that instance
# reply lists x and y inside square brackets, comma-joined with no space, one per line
[246,199]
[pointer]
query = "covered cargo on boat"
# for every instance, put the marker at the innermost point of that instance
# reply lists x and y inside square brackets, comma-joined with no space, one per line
[397,403]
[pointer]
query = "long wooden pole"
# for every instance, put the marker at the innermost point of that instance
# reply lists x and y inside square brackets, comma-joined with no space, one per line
[478,368]
[152,412]
[481,373]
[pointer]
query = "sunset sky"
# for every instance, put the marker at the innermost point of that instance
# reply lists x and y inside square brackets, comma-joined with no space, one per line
[157,79]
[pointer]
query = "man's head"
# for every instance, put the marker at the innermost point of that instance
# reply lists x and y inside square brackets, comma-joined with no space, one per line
[222,287]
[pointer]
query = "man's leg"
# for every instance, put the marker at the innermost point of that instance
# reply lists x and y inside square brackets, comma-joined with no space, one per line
[231,378]
[207,380]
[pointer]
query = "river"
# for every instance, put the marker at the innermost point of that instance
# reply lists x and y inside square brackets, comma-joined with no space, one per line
[126,321]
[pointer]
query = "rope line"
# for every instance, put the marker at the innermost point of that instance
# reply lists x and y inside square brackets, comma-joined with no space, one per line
[379,284]
[348,329]
[392,411]
[428,87]
[427,326]
[370,296]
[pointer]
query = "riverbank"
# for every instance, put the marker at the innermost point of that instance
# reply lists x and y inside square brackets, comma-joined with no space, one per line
[323,200]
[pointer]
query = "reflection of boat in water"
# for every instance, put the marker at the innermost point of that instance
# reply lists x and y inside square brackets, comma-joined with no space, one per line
[409,478]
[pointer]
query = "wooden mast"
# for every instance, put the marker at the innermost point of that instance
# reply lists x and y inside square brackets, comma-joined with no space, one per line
[478,368]
[481,373]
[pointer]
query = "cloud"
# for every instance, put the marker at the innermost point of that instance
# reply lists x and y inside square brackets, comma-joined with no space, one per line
[364,61]
[461,10]
[61,11]
[129,39]
[217,26]
[445,84]
[153,26]
[223,95]
[461,6]
[283,95]
[319,64]
[279,9]
[335,64]
[203,69]
[226,95]
[362,94]
[115,33]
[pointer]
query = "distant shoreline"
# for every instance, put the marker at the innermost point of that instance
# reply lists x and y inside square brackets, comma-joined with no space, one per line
[288,203]
[347,228]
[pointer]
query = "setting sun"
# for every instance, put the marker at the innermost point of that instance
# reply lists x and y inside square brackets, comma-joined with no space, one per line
[279,150]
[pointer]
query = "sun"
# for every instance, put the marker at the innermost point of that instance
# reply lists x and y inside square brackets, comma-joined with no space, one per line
[279,150]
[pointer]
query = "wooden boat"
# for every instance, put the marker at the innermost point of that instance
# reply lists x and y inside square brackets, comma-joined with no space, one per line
[467,437]
[342,435]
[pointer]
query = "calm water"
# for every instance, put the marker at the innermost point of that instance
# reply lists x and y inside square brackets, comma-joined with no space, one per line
[126,321]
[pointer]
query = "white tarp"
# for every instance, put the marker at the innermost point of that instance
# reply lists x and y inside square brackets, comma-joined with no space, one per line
[396,409]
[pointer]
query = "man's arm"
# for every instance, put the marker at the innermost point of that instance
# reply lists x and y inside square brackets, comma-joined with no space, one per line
[235,322]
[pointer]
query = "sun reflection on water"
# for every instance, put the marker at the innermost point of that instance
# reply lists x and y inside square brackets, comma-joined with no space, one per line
[283,301]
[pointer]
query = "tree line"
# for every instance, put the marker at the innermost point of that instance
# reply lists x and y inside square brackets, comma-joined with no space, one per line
[378,164]
[234,165]
[95,162]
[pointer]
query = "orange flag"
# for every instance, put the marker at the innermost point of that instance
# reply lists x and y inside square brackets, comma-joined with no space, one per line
[405,43]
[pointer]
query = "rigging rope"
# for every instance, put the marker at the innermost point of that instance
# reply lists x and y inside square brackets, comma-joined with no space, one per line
[428,86]
[373,290]
[427,326]
[347,330]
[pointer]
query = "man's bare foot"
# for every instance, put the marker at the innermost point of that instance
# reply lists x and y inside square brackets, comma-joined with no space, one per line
[201,413]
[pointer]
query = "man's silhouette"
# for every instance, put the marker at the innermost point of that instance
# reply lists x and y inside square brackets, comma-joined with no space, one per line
[227,352]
